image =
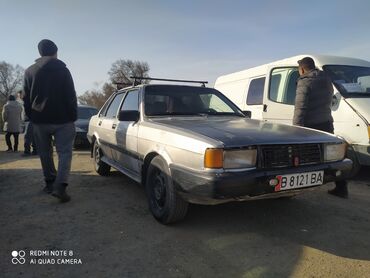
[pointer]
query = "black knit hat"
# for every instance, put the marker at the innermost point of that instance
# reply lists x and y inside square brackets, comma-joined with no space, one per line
[47,48]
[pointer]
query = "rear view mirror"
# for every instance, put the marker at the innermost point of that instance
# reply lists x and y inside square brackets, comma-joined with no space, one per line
[248,114]
[129,116]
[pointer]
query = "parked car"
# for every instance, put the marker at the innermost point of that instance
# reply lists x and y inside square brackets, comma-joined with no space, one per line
[267,92]
[84,114]
[189,144]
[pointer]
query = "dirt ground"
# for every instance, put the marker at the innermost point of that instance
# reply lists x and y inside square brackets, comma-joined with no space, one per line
[111,232]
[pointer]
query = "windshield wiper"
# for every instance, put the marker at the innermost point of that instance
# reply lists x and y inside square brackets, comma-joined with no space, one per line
[179,114]
[201,114]
[225,114]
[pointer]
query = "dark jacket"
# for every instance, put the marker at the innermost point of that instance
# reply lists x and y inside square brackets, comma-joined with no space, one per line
[313,99]
[12,116]
[50,96]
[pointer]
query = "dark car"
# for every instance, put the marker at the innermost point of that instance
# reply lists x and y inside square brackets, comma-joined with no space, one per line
[84,114]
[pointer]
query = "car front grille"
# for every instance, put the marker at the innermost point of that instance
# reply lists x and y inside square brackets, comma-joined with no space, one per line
[277,156]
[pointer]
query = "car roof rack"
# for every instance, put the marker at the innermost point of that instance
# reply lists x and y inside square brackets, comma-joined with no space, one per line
[203,83]
[120,85]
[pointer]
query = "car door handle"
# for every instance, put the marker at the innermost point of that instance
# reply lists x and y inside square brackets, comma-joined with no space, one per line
[99,124]
[114,126]
[265,108]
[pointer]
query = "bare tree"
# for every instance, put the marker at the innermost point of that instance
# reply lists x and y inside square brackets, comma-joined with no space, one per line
[108,89]
[121,71]
[11,79]
[97,97]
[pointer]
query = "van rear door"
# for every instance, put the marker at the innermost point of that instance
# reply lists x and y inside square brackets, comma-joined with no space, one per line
[279,94]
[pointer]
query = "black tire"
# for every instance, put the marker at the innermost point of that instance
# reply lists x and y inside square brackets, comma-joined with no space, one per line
[101,167]
[164,202]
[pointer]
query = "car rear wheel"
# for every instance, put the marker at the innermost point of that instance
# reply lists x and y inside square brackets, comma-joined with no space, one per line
[164,202]
[100,166]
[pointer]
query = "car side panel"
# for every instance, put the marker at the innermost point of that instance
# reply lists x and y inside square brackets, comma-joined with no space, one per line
[126,153]
[174,146]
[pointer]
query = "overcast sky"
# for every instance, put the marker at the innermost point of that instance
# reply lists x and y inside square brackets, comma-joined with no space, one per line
[181,39]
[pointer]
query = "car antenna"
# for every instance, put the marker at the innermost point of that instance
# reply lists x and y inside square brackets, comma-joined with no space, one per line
[203,83]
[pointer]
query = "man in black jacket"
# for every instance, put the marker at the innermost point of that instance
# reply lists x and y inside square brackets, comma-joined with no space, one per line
[313,106]
[51,105]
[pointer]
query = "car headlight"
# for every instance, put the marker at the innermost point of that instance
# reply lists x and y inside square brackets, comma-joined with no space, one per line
[78,129]
[334,152]
[230,159]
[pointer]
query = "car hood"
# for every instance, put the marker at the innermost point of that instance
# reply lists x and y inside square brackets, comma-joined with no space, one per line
[82,123]
[236,131]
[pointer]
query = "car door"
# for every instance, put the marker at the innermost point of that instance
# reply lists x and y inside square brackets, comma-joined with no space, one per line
[107,125]
[279,94]
[126,155]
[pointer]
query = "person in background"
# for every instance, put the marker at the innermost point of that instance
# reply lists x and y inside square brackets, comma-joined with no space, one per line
[29,141]
[12,117]
[50,103]
[19,99]
[313,106]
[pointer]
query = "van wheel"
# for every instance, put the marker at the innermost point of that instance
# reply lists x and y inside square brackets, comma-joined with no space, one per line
[164,202]
[100,166]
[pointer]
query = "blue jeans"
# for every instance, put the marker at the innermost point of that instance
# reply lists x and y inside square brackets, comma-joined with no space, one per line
[64,135]
[29,139]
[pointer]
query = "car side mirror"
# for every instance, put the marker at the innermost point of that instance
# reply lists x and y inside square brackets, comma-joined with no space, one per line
[129,116]
[248,114]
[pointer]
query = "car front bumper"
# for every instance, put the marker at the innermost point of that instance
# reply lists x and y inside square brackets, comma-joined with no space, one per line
[81,138]
[213,188]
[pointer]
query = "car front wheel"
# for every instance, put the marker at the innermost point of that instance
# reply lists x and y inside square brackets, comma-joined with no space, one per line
[100,166]
[164,202]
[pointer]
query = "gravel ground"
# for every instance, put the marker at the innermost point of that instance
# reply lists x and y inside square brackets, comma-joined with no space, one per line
[111,232]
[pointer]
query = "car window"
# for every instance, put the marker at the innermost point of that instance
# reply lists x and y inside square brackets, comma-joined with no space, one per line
[105,106]
[283,85]
[131,101]
[184,100]
[212,102]
[114,105]
[255,91]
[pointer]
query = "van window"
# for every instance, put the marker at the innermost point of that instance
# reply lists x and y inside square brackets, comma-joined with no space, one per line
[283,85]
[350,80]
[255,91]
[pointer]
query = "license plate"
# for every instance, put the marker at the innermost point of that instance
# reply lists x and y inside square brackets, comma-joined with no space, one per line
[299,180]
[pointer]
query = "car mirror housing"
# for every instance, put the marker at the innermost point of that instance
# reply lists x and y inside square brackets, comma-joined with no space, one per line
[248,114]
[129,116]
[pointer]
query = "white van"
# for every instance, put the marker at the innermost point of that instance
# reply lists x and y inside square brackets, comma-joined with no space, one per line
[268,92]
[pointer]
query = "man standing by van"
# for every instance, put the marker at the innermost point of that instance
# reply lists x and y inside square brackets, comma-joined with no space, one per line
[313,106]
[51,105]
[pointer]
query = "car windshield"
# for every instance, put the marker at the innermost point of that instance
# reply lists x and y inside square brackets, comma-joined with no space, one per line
[350,80]
[162,100]
[85,113]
